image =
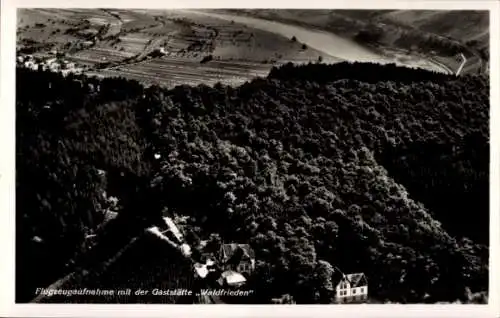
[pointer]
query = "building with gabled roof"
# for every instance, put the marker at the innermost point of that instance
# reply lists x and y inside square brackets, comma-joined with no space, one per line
[237,257]
[352,288]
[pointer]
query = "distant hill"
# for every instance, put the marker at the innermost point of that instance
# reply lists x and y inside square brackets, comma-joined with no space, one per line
[433,33]
[461,25]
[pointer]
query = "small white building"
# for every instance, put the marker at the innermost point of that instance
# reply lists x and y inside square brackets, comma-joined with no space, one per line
[32,65]
[37,239]
[109,215]
[232,279]
[202,270]
[352,288]
[246,261]
[185,250]
[173,228]
[284,299]
[55,67]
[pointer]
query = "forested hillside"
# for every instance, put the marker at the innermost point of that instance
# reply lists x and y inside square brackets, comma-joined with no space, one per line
[315,166]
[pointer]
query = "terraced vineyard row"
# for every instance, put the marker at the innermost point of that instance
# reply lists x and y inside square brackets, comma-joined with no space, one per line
[96,16]
[100,55]
[175,71]
[166,28]
[133,42]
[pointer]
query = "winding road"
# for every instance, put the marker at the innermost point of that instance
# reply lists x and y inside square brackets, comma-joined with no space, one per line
[323,41]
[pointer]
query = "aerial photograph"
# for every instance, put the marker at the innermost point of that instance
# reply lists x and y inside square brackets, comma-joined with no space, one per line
[252,156]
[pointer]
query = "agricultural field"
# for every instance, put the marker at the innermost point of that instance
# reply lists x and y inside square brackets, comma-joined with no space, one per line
[138,38]
[44,30]
[115,26]
[238,53]
[262,46]
[133,21]
[115,42]
[165,28]
[99,55]
[131,43]
[188,39]
[174,71]
[234,41]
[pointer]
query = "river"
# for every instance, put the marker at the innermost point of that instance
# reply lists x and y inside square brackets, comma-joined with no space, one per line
[326,42]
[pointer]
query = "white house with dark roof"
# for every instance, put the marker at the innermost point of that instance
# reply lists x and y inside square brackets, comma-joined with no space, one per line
[352,288]
[237,257]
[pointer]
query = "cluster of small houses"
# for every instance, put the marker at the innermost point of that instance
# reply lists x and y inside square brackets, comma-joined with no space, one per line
[350,288]
[52,63]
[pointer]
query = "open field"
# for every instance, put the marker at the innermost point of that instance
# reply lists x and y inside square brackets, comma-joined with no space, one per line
[134,21]
[44,30]
[118,42]
[99,55]
[131,43]
[173,71]
[239,52]
[235,40]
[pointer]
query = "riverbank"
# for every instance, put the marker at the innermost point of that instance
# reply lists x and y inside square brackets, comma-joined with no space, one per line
[329,42]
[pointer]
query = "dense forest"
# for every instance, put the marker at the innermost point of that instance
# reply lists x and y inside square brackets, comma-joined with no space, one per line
[369,168]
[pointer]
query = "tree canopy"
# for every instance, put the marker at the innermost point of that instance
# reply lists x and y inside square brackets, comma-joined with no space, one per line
[370,168]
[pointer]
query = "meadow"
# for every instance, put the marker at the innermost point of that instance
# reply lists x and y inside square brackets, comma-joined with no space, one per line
[119,42]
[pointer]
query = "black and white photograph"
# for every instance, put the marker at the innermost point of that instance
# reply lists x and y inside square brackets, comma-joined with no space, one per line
[252,156]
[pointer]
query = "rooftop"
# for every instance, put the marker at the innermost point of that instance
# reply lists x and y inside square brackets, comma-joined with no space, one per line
[355,279]
[230,249]
[233,278]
